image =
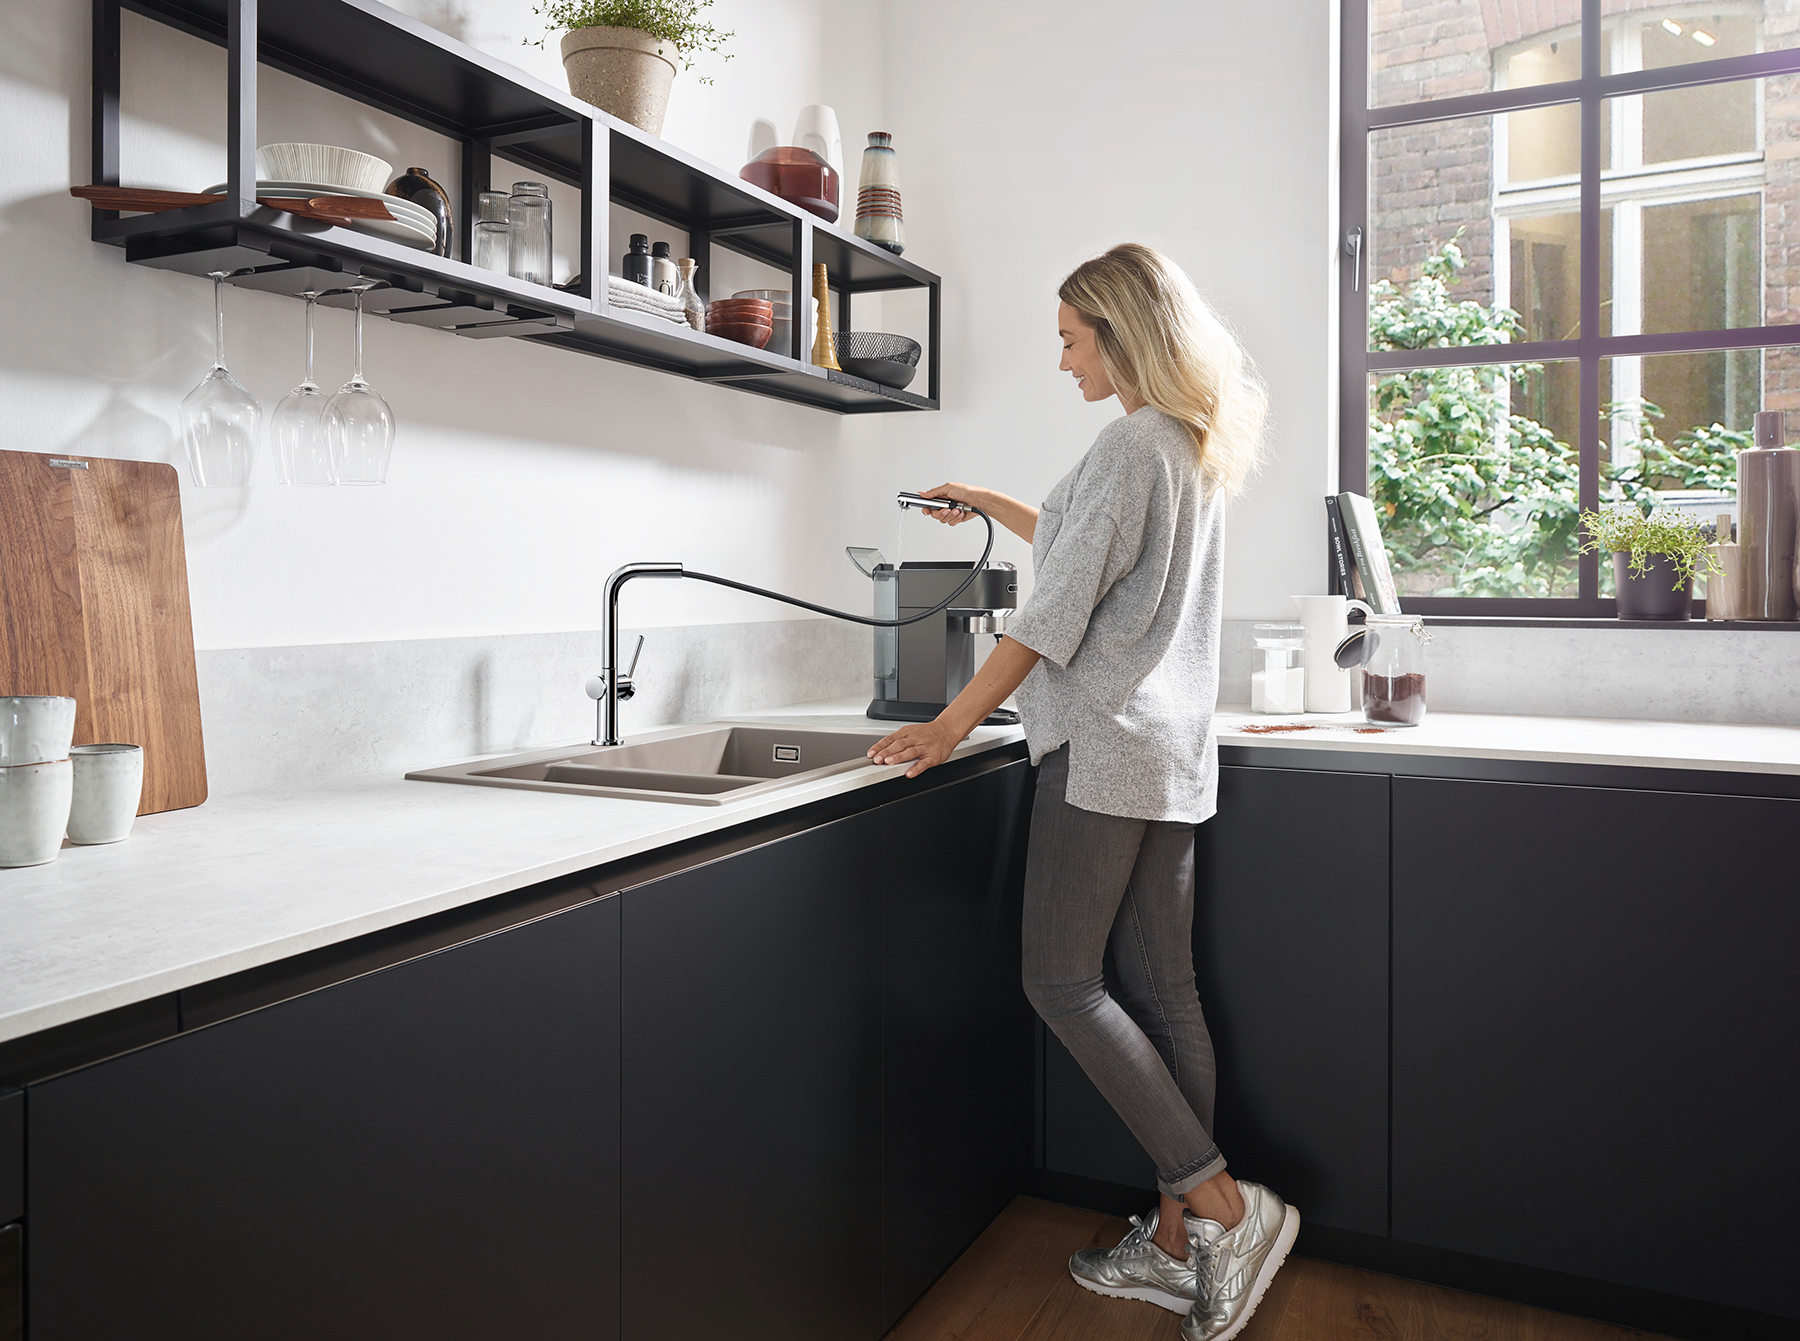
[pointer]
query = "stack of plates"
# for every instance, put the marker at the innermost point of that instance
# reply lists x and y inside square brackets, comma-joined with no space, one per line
[413,224]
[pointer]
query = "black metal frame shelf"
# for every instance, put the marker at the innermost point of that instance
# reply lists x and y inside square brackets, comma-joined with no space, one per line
[377,56]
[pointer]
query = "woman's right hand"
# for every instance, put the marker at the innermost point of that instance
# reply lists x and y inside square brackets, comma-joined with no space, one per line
[953,493]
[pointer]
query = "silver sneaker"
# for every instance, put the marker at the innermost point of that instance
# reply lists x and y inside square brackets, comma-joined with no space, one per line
[1138,1269]
[1238,1264]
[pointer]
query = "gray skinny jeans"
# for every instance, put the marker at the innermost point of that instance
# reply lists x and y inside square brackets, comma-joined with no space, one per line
[1093,878]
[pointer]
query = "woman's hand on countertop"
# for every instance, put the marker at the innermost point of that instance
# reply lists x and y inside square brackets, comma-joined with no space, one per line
[1019,518]
[923,744]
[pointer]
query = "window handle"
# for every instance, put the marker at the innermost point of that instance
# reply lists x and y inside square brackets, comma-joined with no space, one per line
[1353,241]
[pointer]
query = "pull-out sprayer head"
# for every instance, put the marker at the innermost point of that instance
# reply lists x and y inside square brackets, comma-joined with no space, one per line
[911,500]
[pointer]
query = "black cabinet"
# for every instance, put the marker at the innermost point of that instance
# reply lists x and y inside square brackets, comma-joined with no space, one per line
[429,1150]
[1595,1006]
[751,1081]
[1290,952]
[956,1028]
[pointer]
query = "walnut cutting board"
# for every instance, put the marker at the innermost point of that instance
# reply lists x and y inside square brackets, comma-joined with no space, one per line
[94,604]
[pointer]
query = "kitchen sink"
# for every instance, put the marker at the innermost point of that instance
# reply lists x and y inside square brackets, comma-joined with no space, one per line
[705,765]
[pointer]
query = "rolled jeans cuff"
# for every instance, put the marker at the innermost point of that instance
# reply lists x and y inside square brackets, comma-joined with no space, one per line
[1177,1183]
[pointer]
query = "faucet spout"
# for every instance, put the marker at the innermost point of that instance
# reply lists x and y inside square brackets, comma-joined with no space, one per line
[606,728]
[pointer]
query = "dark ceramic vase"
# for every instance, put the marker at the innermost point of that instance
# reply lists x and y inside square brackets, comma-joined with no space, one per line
[798,176]
[1653,594]
[416,185]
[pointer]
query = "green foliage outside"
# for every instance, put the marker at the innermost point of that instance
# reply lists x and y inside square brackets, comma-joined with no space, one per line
[676,22]
[1480,500]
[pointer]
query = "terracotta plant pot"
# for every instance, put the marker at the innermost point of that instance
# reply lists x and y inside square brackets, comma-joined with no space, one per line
[1653,595]
[621,71]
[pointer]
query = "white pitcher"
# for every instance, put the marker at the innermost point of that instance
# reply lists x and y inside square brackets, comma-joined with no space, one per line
[1326,621]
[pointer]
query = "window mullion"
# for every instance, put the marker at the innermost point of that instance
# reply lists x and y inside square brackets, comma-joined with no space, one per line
[1588,567]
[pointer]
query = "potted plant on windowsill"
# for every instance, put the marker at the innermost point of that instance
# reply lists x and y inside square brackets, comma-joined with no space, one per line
[622,55]
[1656,556]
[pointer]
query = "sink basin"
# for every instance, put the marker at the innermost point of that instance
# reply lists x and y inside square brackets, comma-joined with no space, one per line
[691,765]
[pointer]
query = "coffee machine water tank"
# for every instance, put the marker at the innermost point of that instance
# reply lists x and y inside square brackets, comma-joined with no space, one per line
[920,667]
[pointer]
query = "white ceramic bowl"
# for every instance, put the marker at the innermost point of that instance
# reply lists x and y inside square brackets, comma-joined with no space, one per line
[34,811]
[35,729]
[323,163]
[108,783]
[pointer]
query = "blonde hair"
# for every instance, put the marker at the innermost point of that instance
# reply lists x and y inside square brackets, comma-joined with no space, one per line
[1163,345]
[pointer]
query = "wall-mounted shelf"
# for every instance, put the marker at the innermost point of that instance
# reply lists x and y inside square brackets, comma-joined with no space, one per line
[368,52]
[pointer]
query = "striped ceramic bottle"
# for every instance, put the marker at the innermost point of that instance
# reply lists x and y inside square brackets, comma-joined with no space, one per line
[878,216]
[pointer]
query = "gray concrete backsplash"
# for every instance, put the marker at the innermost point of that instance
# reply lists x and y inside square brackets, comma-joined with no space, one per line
[1668,674]
[281,716]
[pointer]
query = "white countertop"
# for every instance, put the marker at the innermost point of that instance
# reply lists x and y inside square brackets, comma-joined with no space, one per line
[250,879]
[247,880]
[1714,747]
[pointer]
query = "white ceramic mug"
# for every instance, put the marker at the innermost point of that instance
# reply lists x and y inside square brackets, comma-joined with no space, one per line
[34,811]
[108,781]
[35,729]
[1326,622]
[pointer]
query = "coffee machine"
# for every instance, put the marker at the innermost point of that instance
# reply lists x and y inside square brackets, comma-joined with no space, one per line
[920,667]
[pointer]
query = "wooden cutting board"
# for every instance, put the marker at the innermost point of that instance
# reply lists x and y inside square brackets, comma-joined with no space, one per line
[94,604]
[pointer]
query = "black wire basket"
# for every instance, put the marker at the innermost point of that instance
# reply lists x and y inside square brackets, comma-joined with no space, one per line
[891,360]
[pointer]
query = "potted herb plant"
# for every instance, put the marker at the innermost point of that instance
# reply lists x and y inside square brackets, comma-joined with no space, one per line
[622,55]
[1656,556]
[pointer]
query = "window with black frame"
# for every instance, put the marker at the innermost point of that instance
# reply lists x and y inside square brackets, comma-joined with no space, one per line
[1571,277]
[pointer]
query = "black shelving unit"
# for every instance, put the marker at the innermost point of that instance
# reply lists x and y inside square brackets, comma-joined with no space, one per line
[368,52]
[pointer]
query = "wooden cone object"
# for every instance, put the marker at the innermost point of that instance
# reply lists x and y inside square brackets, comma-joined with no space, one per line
[824,350]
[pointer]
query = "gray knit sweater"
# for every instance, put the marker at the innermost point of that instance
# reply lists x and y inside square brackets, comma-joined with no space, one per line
[1125,613]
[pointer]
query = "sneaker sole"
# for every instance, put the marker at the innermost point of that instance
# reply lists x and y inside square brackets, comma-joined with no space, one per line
[1162,1298]
[1278,1254]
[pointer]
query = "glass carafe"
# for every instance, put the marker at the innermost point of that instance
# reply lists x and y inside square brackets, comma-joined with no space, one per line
[1394,670]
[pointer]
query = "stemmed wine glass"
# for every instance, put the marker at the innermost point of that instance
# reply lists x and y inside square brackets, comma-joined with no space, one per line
[298,431]
[219,417]
[359,420]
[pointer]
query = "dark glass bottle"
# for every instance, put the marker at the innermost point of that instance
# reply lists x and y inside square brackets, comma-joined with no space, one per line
[637,260]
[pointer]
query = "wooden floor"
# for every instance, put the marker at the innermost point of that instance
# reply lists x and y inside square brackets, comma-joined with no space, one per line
[1013,1285]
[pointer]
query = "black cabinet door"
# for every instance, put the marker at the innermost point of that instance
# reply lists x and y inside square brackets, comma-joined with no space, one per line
[1595,1007]
[430,1150]
[1290,951]
[751,1086]
[956,1028]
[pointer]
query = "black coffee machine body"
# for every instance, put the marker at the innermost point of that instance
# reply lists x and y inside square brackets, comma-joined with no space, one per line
[920,667]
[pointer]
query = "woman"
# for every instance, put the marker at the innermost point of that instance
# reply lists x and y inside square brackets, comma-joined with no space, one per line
[1116,664]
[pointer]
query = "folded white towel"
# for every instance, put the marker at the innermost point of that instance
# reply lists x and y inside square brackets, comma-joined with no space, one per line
[625,293]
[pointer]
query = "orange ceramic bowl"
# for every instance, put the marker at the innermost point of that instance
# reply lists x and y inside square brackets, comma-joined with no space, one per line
[740,309]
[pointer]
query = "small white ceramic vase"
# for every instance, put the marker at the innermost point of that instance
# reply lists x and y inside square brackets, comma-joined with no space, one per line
[34,811]
[35,729]
[817,130]
[108,782]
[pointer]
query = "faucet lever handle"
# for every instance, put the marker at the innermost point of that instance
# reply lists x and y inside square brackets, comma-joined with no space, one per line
[636,652]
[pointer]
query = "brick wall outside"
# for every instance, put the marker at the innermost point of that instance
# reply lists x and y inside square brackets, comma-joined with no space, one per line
[1428,181]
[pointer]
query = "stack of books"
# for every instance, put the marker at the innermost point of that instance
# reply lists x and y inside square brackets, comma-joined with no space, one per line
[1359,563]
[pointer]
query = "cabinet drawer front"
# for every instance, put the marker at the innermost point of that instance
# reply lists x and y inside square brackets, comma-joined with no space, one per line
[1595,992]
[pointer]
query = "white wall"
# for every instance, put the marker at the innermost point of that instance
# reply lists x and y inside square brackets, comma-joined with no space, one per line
[1032,134]
[521,475]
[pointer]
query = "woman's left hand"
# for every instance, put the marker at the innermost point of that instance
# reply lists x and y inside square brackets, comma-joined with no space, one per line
[924,744]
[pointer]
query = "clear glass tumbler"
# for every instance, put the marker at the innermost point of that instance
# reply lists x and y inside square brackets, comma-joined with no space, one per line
[492,241]
[528,232]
